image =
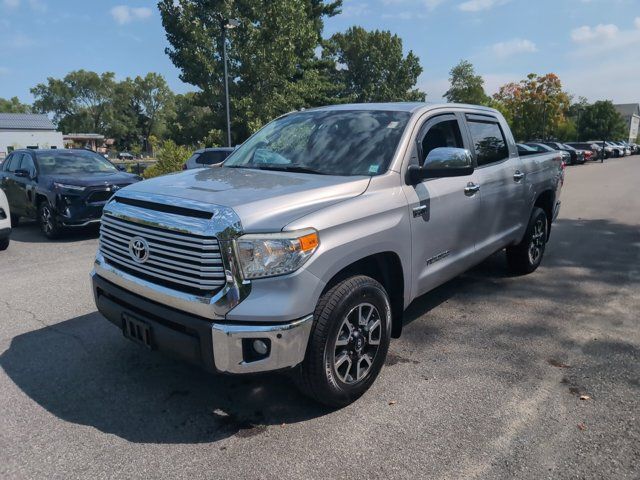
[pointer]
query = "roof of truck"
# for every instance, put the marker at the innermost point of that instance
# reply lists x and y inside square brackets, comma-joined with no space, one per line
[410,107]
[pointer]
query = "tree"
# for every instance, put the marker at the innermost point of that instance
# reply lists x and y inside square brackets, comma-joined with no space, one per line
[13,105]
[466,86]
[601,121]
[171,158]
[536,106]
[153,100]
[370,66]
[80,102]
[272,63]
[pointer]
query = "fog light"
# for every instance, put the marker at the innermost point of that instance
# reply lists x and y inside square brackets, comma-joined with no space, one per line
[260,347]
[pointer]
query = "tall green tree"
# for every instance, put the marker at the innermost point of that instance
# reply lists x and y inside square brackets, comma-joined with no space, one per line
[466,86]
[13,105]
[272,63]
[601,121]
[154,101]
[371,67]
[80,102]
[535,106]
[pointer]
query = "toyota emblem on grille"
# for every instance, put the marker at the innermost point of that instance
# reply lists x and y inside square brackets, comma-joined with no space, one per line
[139,249]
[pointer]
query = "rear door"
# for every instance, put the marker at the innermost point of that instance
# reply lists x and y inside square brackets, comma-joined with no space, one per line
[502,183]
[443,216]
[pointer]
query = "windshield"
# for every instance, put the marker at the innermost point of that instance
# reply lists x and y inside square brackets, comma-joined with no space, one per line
[73,163]
[331,142]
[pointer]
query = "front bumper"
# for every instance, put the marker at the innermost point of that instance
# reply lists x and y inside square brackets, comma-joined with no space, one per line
[217,346]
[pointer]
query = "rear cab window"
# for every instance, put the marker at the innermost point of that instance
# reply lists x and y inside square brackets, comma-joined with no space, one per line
[211,158]
[489,141]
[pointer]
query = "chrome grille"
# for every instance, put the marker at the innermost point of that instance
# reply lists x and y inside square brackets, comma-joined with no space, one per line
[177,260]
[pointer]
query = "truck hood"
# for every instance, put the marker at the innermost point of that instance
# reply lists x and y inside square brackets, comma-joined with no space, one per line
[264,200]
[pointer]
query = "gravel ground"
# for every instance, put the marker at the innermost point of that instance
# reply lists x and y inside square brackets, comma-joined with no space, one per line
[495,376]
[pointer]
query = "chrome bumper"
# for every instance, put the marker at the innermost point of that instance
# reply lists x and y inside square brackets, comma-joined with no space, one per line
[288,345]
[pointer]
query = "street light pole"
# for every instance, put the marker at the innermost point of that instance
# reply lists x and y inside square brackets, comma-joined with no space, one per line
[226,83]
[226,24]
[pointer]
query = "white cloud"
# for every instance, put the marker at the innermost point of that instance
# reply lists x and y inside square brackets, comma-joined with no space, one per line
[513,47]
[123,14]
[355,9]
[429,4]
[598,33]
[11,3]
[594,42]
[479,5]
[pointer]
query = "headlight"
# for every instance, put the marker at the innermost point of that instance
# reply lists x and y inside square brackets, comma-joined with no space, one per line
[270,254]
[64,186]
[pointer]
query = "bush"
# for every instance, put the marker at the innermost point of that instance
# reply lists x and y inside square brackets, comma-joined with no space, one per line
[171,158]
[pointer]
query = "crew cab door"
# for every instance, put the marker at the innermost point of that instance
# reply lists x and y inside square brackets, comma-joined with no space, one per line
[443,211]
[501,176]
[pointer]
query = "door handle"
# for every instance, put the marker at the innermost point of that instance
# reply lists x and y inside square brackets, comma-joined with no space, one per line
[471,189]
[419,211]
[518,176]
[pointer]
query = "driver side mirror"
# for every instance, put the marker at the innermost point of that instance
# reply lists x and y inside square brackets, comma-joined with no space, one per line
[23,173]
[442,162]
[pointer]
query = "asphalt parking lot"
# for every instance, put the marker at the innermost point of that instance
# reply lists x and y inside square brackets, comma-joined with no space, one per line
[486,381]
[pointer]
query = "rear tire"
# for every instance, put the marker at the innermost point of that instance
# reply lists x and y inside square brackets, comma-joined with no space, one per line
[49,224]
[527,255]
[348,344]
[15,219]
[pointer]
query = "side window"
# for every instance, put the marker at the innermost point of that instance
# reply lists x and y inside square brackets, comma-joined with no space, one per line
[14,162]
[442,134]
[27,164]
[7,161]
[489,142]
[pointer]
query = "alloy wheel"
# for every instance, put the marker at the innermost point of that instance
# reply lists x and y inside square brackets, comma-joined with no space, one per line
[357,343]
[536,246]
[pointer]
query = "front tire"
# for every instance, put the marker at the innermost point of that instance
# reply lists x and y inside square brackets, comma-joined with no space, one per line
[527,255]
[15,219]
[4,244]
[49,224]
[348,344]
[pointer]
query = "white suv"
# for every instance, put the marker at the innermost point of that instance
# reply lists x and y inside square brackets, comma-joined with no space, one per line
[5,222]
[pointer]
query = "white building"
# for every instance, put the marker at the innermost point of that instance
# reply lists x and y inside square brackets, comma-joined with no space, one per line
[27,130]
[631,114]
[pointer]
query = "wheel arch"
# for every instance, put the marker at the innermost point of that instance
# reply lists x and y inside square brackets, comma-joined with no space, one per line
[386,268]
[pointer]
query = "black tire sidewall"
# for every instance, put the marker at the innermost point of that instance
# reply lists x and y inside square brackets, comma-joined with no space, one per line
[55,232]
[332,390]
[537,214]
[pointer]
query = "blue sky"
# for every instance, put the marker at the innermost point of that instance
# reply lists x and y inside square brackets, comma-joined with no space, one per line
[594,45]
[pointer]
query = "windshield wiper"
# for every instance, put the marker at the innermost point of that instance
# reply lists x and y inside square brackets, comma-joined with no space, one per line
[291,168]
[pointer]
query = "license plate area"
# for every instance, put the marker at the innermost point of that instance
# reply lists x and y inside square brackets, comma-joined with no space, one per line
[136,330]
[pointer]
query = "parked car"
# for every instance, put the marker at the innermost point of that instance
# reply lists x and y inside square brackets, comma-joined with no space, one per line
[577,156]
[524,150]
[617,150]
[303,250]
[60,188]
[542,148]
[625,147]
[595,149]
[207,157]
[125,156]
[5,222]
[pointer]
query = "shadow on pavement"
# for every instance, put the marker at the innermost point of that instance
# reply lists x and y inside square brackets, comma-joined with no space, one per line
[29,232]
[84,372]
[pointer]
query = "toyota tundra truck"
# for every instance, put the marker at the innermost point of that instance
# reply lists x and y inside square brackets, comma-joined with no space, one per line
[302,250]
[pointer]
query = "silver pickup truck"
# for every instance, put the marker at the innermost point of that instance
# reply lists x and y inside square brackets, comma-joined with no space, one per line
[304,248]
